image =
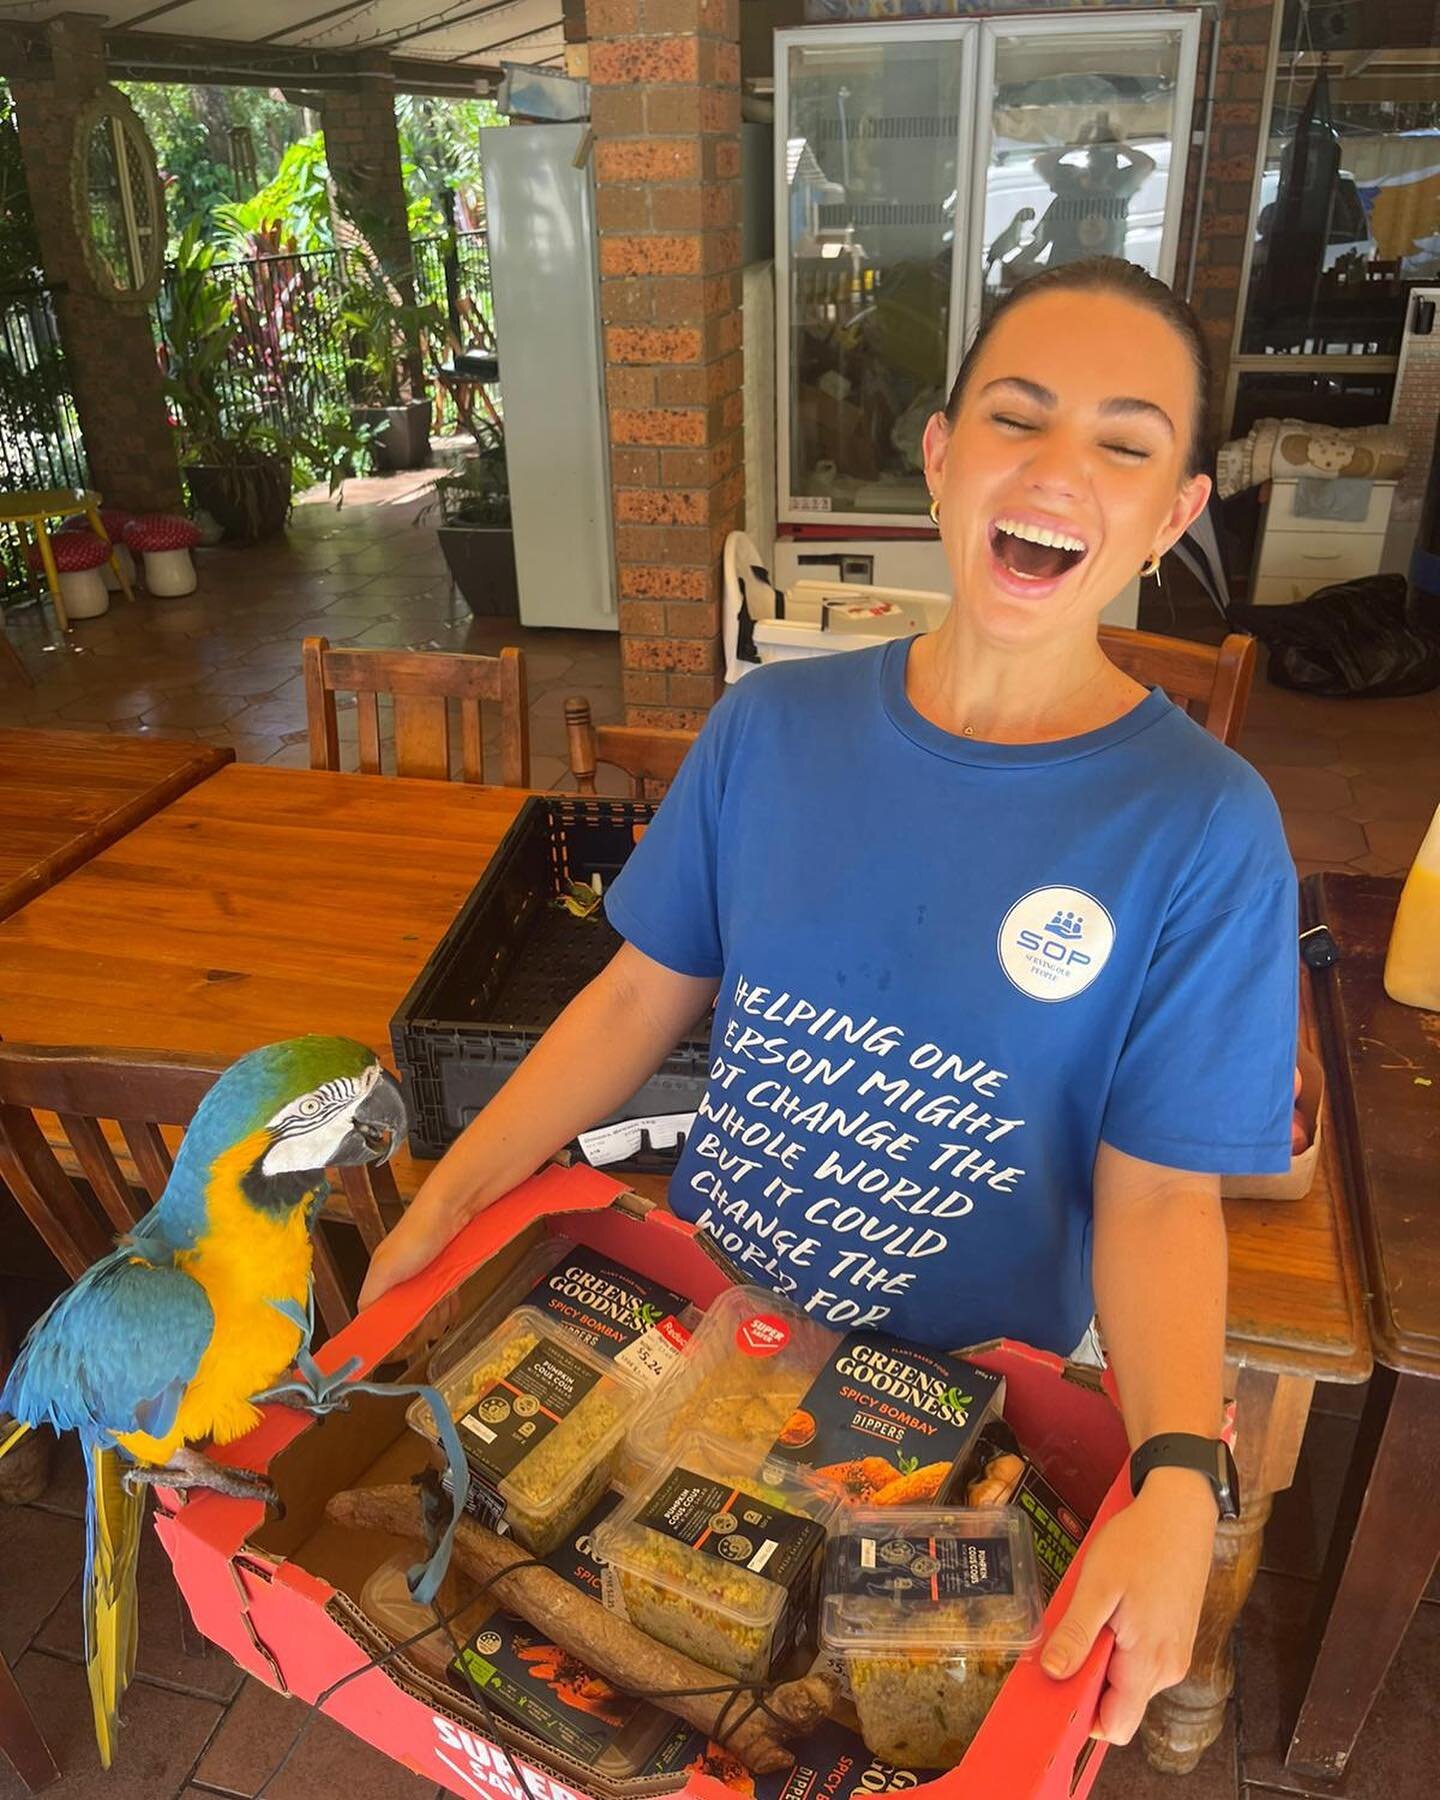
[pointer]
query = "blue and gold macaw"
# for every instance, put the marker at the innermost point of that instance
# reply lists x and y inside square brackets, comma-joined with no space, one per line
[167,1340]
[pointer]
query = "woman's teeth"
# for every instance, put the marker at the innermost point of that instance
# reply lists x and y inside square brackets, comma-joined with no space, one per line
[1040,534]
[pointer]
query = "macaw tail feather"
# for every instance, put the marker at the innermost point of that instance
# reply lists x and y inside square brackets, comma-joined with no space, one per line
[14,1438]
[112,1548]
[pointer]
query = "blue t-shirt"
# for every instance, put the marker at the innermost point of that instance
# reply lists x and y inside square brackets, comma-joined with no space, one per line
[948,969]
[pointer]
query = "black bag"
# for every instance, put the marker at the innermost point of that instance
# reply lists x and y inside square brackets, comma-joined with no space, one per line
[1350,640]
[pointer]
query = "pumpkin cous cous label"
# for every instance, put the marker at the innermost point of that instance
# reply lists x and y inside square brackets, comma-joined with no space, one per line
[927,1569]
[519,1411]
[725,1522]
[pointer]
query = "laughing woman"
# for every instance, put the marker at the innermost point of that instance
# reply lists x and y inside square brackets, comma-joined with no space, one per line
[985,918]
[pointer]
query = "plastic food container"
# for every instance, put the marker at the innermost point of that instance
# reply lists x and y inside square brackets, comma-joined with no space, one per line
[721,1565]
[929,1613]
[542,1417]
[633,1322]
[747,1368]
[386,1600]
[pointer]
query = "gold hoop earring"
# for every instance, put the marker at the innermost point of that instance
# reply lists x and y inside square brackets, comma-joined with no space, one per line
[1151,567]
[934,509]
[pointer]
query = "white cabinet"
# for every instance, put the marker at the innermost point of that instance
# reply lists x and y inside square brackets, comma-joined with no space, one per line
[1297,555]
[922,170]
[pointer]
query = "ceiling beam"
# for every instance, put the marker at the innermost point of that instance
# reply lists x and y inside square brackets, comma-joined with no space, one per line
[157,56]
[333,12]
[519,38]
[153,12]
[408,34]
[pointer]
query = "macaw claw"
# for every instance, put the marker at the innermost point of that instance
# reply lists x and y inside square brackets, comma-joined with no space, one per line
[188,1469]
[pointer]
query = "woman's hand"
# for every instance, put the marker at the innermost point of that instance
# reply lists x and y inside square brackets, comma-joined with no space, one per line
[425,1228]
[1144,1576]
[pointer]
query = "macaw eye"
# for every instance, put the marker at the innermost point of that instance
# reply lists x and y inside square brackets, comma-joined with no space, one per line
[309,1106]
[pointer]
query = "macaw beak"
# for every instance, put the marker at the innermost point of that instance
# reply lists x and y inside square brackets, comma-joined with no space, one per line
[379,1122]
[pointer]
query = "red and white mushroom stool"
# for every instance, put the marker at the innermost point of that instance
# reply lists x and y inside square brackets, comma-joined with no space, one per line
[79,557]
[163,544]
[114,519]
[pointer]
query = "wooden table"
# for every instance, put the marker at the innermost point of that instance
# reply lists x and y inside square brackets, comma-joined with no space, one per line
[262,904]
[1384,1067]
[271,901]
[65,795]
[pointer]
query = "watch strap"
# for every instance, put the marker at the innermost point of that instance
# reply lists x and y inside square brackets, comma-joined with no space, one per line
[1209,1457]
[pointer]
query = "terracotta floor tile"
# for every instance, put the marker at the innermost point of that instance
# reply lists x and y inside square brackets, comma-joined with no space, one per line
[41,1555]
[194,710]
[66,1492]
[328,1761]
[1126,1775]
[1306,789]
[1275,744]
[1396,1756]
[1396,838]
[1322,837]
[1402,792]
[161,1737]
[172,1652]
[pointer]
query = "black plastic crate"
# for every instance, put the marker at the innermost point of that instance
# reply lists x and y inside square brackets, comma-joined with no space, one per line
[511,963]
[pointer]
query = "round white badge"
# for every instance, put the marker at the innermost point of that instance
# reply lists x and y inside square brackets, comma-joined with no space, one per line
[1054,942]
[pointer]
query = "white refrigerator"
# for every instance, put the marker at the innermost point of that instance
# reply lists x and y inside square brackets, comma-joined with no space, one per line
[540,218]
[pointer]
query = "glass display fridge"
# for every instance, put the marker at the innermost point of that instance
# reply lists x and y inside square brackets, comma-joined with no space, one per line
[924,169]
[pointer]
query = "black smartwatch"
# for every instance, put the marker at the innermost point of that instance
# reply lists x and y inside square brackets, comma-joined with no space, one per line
[1209,1457]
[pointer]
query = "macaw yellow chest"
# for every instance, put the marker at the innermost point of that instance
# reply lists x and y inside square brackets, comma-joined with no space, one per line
[247,1260]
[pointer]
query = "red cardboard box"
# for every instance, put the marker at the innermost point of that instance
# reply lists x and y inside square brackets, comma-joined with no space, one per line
[278,1594]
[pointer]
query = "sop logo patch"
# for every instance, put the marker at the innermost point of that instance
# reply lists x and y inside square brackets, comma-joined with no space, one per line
[1054,942]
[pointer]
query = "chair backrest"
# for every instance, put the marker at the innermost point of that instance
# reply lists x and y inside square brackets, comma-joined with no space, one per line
[110,1106]
[1212,682]
[421,685]
[649,758]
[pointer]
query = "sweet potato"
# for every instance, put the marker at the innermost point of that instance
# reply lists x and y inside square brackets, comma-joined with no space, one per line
[913,1490]
[861,1478]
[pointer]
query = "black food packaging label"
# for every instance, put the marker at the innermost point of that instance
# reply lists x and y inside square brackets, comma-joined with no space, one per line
[521,1409]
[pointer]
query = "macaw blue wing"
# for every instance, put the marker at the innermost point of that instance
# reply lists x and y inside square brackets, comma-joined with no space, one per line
[115,1353]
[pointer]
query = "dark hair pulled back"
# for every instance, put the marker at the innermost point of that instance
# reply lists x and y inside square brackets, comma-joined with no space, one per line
[1128,281]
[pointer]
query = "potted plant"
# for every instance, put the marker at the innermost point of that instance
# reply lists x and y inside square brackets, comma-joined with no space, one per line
[238,465]
[384,334]
[475,529]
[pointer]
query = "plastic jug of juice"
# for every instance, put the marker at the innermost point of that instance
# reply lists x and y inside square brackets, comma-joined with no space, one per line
[1412,967]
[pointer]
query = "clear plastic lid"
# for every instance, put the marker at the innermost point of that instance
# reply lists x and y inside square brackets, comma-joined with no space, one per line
[386,1599]
[613,1309]
[950,1580]
[541,1416]
[714,1560]
[745,1371]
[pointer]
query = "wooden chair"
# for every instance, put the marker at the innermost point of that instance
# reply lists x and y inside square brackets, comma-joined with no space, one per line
[421,684]
[646,756]
[138,1092]
[1212,682]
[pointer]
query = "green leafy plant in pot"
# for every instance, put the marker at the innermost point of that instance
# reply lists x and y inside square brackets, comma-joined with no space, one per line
[238,464]
[475,533]
[384,333]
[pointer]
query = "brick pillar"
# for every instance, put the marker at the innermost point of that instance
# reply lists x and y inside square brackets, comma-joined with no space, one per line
[109,350]
[362,147]
[665,106]
[1235,147]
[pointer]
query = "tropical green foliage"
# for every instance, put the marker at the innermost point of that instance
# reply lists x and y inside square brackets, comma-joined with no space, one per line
[190,127]
[219,424]
[19,244]
[382,333]
[478,492]
[294,206]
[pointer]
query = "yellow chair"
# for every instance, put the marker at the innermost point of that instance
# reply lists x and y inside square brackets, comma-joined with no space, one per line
[36,508]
